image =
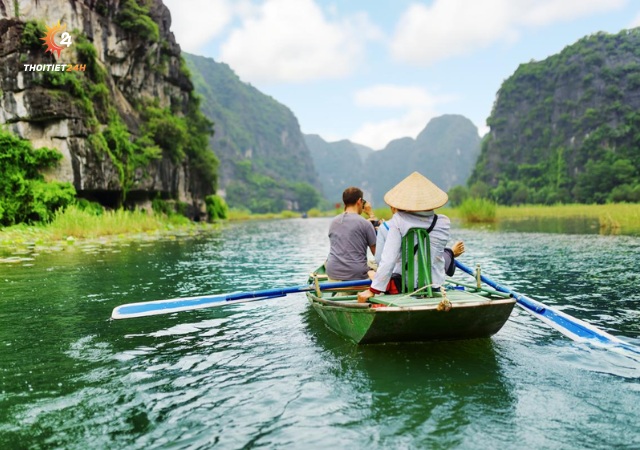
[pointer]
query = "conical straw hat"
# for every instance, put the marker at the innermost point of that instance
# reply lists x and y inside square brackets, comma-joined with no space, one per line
[416,193]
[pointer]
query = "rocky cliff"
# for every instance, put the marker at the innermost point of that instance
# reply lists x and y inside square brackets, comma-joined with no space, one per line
[567,128]
[125,119]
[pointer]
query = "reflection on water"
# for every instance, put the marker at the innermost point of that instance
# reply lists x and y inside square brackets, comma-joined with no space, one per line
[271,374]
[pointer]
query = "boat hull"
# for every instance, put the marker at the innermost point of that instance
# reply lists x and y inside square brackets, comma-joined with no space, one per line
[469,320]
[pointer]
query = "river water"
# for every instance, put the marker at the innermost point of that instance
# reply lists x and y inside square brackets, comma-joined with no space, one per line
[269,374]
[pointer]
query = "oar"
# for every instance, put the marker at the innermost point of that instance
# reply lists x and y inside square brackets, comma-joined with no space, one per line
[576,329]
[155,307]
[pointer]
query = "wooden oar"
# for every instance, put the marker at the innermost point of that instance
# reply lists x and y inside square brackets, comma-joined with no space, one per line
[576,329]
[156,307]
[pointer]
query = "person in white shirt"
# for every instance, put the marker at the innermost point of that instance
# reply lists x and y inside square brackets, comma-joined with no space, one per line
[414,198]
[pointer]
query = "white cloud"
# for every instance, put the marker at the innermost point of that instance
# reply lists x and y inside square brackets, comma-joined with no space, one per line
[377,135]
[393,96]
[196,22]
[445,28]
[419,104]
[292,40]
[542,13]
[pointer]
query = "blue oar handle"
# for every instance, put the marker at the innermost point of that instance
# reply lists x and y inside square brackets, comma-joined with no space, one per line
[521,299]
[292,290]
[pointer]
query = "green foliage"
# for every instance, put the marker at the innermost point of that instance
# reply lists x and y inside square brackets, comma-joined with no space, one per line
[184,137]
[201,158]
[307,196]
[167,130]
[479,189]
[478,210]
[169,208]
[134,18]
[32,32]
[90,207]
[125,153]
[160,206]
[88,55]
[216,207]
[457,195]
[602,177]
[24,196]
[625,193]
[47,198]
[263,194]
[315,212]
[181,136]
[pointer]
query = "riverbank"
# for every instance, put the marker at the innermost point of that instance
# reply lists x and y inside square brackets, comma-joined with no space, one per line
[76,228]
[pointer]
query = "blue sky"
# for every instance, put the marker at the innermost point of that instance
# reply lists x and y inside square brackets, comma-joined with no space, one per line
[376,70]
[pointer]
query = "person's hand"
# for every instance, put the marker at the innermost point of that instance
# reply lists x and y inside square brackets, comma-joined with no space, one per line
[368,211]
[364,296]
[458,249]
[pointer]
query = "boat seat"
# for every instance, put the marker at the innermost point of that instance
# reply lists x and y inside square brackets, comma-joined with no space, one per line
[416,262]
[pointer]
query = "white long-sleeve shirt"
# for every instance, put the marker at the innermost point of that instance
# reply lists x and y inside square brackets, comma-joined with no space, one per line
[391,255]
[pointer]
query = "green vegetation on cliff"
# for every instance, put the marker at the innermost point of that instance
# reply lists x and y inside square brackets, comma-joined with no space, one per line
[567,128]
[24,195]
[265,165]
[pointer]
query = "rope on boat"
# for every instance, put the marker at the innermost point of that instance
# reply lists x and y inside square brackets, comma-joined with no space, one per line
[445,303]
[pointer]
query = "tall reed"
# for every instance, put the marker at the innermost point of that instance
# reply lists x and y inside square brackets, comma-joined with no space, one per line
[73,221]
[478,210]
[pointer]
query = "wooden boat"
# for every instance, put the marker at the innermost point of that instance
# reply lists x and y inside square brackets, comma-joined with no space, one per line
[459,311]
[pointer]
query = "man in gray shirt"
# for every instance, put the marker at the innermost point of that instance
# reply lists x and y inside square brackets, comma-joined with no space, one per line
[350,234]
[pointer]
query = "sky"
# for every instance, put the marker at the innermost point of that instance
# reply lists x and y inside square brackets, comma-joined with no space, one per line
[376,70]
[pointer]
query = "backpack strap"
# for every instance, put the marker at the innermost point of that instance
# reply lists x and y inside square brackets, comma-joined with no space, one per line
[433,224]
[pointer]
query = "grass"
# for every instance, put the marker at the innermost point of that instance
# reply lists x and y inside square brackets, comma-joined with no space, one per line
[478,210]
[74,224]
[243,214]
[613,217]
[82,224]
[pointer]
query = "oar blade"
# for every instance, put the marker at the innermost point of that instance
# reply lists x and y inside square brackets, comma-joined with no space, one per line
[156,307]
[143,309]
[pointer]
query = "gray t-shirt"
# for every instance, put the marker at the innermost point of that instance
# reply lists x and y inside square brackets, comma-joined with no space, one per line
[350,235]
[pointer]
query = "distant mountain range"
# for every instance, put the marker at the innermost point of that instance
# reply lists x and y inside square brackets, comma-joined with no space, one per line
[265,160]
[445,152]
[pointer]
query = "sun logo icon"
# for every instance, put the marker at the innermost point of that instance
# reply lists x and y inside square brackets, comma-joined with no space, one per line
[49,38]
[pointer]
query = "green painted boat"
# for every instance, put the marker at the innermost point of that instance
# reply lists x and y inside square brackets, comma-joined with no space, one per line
[460,311]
